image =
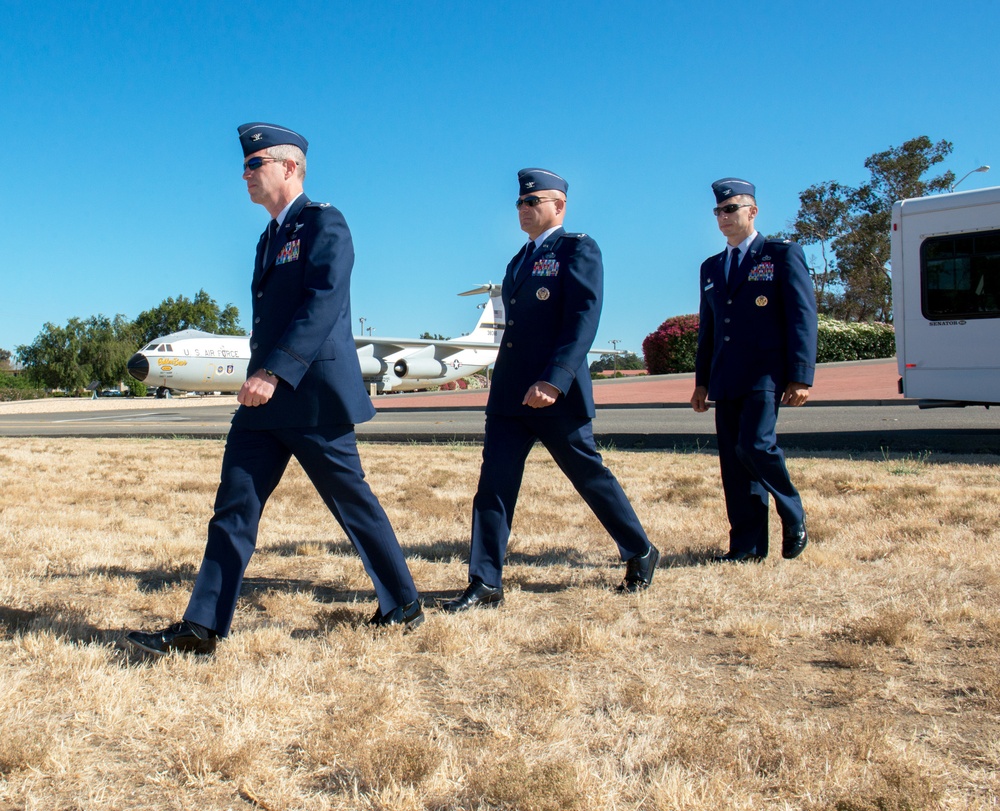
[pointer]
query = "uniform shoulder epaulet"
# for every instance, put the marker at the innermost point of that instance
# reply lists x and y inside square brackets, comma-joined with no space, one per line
[578,235]
[314,204]
[777,242]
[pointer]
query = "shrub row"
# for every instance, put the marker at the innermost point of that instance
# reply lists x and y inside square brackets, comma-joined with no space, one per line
[9,395]
[840,340]
[672,348]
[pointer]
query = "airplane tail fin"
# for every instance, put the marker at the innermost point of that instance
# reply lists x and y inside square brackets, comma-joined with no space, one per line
[489,328]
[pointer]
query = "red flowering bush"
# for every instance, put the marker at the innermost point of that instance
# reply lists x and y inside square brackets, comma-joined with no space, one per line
[673,346]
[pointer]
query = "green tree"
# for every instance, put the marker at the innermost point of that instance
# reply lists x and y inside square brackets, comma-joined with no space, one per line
[624,362]
[82,352]
[173,315]
[107,346]
[822,217]
[53,359]
[853,223]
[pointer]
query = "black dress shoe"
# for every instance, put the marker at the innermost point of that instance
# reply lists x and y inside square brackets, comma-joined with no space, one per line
[793,540]
[738,557]
[181,636]
[639,571]
[476,594]
[409,616]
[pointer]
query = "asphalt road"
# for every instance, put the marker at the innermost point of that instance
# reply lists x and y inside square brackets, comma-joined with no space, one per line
[899,427]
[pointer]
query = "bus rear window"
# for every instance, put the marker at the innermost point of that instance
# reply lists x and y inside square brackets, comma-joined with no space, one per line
[960,276]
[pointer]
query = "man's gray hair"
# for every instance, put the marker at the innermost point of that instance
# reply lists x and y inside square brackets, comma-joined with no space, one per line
[289,152]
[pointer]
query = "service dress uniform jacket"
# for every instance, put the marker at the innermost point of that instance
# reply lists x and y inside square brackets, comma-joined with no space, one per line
[301,333]
[757,334]
[758,330]
[302,323]
[552,302]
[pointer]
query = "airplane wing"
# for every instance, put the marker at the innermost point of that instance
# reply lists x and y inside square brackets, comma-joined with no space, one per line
[387,345]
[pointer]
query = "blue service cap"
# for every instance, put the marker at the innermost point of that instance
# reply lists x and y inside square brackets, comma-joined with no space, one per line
[730,187]
[258,135]
[532,180]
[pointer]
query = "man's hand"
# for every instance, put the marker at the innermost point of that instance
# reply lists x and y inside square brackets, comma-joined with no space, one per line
[258,389]
[699,400]
[795,394]
[541,395]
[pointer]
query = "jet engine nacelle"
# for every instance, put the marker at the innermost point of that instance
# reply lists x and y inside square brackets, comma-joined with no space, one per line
[418,367]
[371,366]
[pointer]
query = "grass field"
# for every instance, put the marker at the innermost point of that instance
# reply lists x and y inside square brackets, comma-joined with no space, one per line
[864,676]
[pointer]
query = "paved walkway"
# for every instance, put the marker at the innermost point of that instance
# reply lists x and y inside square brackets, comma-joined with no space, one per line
[871,382]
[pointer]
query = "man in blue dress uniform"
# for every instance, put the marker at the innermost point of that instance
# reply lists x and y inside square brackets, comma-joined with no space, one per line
[302,397]
[756,352]
[541,391]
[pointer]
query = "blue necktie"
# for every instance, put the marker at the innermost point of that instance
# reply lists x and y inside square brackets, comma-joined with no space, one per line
[272,228]
[528,250]
[734,264]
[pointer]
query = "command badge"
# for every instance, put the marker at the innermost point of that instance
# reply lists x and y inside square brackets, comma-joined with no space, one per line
[761,301]
[542,293]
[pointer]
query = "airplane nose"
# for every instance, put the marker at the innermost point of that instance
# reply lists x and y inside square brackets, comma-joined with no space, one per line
[138,366]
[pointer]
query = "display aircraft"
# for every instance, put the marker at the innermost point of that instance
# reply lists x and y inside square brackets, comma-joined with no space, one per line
[192,360]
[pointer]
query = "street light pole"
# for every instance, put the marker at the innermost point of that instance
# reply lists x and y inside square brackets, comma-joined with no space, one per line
[614,358]
[983,168]
[362,320]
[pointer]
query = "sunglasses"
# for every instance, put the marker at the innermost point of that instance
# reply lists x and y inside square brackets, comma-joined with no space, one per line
[255,163]
[532,201]
[732,208]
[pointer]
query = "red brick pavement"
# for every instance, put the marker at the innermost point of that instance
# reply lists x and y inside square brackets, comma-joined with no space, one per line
[865,381]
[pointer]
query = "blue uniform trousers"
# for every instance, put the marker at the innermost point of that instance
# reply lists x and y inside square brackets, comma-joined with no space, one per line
[253,464]
[570,440]
[753,466]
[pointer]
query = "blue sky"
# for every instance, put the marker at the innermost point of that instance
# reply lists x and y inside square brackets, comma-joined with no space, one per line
[122,166]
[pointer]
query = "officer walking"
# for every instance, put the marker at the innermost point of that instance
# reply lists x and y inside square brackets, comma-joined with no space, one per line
[756,352]
[302,397]
[541,390]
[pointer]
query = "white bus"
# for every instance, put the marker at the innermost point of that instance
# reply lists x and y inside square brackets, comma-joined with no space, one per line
[946,297]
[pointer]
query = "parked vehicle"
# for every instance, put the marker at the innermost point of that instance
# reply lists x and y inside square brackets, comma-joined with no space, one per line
[946,297]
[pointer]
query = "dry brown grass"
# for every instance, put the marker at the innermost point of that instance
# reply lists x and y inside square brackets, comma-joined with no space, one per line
[861,677]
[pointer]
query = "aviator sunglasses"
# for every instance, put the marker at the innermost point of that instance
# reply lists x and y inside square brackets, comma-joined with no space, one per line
[532,201]
[732,208]
[255,163]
